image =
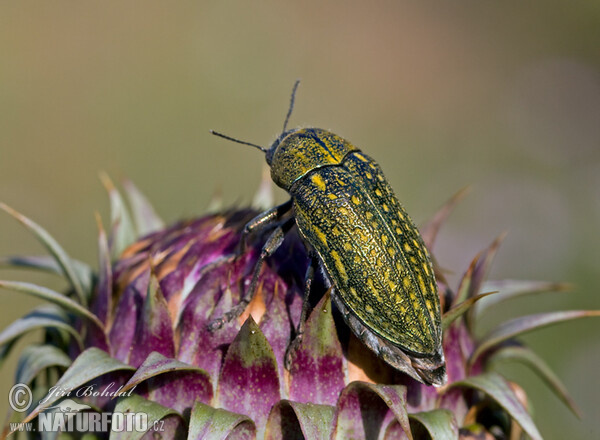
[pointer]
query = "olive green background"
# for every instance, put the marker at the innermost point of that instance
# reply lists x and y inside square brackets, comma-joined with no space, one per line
[504,96]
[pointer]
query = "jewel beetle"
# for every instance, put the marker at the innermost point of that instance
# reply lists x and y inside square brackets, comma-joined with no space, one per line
[358,233]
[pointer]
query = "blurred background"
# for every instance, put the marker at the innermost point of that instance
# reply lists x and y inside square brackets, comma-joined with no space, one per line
[504,96]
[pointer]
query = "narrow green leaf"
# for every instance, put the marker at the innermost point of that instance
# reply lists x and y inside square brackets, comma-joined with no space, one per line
[509,289]
[498,389]
[430,229]
[538,365]
[458,310]
[211,423]
[36,358]
[524,324]
[89,365]
[462,293]
[439,423]
[5,351]
[122,230]
[101,305]
[154,412]
[53,297]
[478,271]
[41,317]
[145,217]
[48,264]
[63,260]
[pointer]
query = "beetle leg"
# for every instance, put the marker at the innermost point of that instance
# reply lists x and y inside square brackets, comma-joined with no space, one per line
[261,221]
[271,245]
[308,279]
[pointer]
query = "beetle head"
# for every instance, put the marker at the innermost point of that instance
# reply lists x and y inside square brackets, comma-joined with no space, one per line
[270,152]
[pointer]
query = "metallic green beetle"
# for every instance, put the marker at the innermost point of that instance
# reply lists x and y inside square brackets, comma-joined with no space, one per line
[371,252]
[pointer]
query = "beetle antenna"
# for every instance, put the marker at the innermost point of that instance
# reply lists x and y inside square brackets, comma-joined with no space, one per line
[292,98]
[229,138]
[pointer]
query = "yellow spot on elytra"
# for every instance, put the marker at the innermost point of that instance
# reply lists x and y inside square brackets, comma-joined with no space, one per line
[355,200]
[421,283]
[336,231]
[406,282]
[338,265]
[320,235]
[369,309]
[340,182]
[379,263]
[361,157]
[386,208]
[407,247]
[343,210]
[380,177]
[415,243]
[391,251]
[347,246]
[353,292]
[373,253]
[318,180]
[369,175]
[402,309]
[394,223]
[332,196]
[371,285]
[399,266]
[378,192]
[392,285]
[369,215]
[400,215]
[357,258]
[372,165]
[428,304]
[426,268]
[413,260]
[384,239]
[398,231]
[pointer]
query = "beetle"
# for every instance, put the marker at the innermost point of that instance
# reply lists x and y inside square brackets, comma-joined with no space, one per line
[358,233]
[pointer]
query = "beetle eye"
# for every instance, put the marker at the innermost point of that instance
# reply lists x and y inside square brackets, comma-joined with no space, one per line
[271,151]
